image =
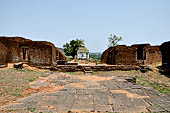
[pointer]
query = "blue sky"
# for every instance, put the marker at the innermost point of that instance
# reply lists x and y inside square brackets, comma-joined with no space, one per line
[59,21]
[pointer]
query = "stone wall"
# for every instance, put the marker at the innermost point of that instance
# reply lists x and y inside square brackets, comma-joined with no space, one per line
[154,55]
[165,49]
[13,48]
[3,55]
[60,55]
[124,55]
[40,53]
[132,55]
[105,56]
[34,52]
[75,68]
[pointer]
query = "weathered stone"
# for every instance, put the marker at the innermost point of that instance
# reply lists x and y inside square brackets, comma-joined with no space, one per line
[154,100]
[38,84]
[120,109]
[3,55]
[92,96]
[132,109]
[165,97]
[136,87]
[144,68]
[82,108]
[101,99]
[25,50]
[45,74]
[74,68]
[156,108]
[138,54]
[139,102]
[103,108]
[131,79]
[83,99]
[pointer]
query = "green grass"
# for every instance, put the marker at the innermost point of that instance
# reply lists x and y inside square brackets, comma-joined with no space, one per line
[69,59]
[31,109]
[159,87]
[31,79]
[15,92]
[70,72]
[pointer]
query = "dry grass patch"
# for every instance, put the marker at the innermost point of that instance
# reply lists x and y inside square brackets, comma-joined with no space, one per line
[13,82]
[159,82]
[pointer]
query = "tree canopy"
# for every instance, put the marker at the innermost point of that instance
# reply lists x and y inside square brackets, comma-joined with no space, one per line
[113,40]
[71,48]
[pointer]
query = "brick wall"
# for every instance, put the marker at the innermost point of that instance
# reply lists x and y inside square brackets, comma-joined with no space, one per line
[3,54]
[132,55]
[105,55]
[38,52]
[154,55]
[13,48]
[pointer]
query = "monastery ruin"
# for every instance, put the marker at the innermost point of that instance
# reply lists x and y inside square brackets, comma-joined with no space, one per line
[18,49]
[139,54]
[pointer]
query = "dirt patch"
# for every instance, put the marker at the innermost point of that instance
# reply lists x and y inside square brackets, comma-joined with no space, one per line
[41,89]
[6,99]
[77,85]
[10,65]
[26,66]
[29,91]
[50,106]
[129,95]
[50,89]
[94,78]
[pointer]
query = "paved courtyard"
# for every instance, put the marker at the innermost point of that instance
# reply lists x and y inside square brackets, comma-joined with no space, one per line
[61,92]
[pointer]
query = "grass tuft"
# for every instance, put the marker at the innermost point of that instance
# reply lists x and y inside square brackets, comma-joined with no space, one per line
[157,86]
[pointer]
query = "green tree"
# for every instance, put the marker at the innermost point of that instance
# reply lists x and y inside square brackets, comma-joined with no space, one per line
[71,48]
[113,40]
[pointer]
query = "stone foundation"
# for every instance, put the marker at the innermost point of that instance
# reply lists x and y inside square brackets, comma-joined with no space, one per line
[75,68]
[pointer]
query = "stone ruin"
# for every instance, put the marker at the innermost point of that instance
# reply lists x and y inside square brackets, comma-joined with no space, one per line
[3,55]
[139,54]
[36,53]
[165,49]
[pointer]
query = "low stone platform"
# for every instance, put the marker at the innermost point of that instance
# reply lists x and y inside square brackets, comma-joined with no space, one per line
[60,92]
[75,68]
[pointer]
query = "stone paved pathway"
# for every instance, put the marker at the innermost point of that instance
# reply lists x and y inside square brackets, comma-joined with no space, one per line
[60,92]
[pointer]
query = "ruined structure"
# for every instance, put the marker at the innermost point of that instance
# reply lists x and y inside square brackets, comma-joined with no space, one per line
[3,55]
[139,54]
[61,54]
[165,49]
[19,49]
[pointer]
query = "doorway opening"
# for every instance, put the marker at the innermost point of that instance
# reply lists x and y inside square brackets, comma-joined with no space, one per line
[25,53]
[141,54]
